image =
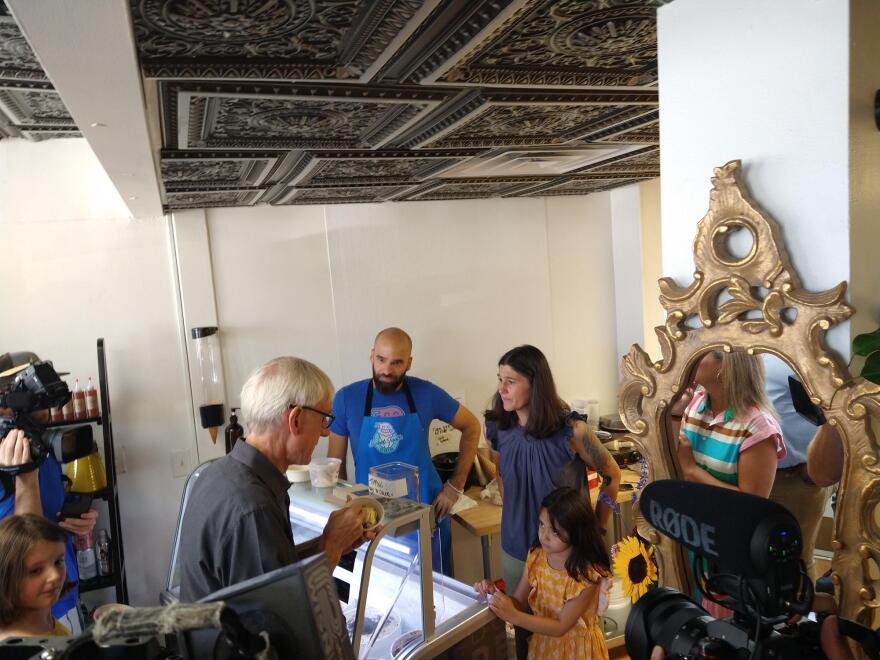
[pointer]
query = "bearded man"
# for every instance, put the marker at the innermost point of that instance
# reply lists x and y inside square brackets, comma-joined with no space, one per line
[387,419]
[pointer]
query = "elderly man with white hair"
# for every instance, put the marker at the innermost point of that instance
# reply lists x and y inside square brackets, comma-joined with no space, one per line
[237,524]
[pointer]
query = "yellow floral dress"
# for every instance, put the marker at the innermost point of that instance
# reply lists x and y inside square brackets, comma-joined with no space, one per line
[550,589]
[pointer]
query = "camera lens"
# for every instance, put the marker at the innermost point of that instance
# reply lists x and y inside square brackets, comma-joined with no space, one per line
[667,618]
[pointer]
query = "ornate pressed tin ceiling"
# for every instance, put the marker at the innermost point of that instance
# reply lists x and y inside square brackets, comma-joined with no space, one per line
[29,106]
[325,101]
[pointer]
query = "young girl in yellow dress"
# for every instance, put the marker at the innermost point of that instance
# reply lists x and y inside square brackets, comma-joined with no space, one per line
[33,576]
[565,583]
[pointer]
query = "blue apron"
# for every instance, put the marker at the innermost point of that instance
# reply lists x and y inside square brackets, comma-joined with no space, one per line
[404,439]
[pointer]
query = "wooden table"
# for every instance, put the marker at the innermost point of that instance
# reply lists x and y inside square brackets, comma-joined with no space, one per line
[482,521]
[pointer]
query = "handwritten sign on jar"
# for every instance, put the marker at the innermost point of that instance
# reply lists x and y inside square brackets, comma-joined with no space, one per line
[381,487]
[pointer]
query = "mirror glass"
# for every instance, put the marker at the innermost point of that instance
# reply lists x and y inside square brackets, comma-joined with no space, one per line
[733,401]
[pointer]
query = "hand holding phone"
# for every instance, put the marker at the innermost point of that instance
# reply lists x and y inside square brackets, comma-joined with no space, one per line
[75,504]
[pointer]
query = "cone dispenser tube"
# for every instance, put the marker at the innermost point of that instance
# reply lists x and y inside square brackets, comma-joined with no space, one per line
[211,411]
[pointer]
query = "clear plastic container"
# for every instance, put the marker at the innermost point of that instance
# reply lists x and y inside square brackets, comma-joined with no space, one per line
[395,479]
[207,343]
[324,472]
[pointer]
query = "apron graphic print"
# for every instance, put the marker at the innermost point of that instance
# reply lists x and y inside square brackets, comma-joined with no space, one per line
[385,438]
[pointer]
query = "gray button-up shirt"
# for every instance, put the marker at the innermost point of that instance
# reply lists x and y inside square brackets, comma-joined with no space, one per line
[236,525]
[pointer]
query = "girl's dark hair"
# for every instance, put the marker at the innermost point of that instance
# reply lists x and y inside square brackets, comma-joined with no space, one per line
[572,516]
[547,412]
[18,534]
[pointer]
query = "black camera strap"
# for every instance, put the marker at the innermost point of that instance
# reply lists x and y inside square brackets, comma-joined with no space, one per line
[867,638]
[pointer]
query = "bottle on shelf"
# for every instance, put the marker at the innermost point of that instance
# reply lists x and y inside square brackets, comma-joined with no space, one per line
[102,553]
[91,400]
[86,561]
[79,401]
[234,431]
[67,411]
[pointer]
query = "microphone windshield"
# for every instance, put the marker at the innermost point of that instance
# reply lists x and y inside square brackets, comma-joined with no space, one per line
[743,534]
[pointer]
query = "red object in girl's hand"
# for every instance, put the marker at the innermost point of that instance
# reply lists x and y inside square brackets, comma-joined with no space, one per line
[500,585]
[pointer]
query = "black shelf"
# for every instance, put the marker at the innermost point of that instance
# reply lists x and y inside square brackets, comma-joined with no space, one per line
[102,494]
[99,582]
[113,522]
[74,422]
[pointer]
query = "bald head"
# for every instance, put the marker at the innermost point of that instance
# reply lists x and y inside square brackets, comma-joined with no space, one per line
[394,337]
[391,358]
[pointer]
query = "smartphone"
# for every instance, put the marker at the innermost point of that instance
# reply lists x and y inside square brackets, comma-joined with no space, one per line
[801,402]
[75,504]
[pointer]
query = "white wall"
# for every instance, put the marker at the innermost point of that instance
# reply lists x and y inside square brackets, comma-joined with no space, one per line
[74,268]
[467,279]
[761,90]
[54,180]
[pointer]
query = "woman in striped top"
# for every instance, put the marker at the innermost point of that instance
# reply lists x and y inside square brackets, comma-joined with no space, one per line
[729,437]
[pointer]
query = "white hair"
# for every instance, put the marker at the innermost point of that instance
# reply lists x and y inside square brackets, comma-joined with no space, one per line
[271,389]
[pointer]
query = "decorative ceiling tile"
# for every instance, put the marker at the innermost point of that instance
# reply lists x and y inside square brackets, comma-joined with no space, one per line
[535,161]
[495,117]
[290,116]
[34,107]
[583,185]
[642,134]
[34,114]
[210,198]
[340,194]
[445,33]
[638,160]
[40,134]
[565,42]
[17,60]
[29,106]
[472,188]
[266,39]
[188,170]
[332,101]
[371,167]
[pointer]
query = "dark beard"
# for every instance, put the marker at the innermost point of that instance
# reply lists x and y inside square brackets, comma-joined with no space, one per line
[387,387]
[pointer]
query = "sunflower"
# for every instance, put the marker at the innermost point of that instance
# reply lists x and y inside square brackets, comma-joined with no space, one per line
[634,564]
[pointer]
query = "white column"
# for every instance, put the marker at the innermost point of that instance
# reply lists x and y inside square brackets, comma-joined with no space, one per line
[195,284]
[626,246]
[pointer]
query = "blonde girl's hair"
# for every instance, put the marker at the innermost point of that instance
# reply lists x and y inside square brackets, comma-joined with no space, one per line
[743,382]
[18,534]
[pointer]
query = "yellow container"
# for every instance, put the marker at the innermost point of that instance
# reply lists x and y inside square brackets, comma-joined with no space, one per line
[87,474]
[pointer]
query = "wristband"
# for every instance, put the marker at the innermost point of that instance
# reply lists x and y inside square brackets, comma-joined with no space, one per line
[460,492]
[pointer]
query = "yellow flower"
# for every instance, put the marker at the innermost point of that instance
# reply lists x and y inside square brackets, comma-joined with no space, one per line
[634,564]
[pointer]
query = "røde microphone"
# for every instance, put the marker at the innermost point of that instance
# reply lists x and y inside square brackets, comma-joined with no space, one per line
[742,534]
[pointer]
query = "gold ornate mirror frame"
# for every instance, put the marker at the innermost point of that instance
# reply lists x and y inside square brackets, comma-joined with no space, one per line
[766,311]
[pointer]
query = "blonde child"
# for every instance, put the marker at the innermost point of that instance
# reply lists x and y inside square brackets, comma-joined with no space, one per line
[565,583]
[32,576]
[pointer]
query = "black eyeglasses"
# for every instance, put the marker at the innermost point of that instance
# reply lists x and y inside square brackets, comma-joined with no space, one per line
[328,417]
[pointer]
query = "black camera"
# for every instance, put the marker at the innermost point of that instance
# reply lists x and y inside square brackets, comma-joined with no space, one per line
[746,558]
[37,386]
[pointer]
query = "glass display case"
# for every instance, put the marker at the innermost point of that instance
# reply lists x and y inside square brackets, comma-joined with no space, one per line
[394,605]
